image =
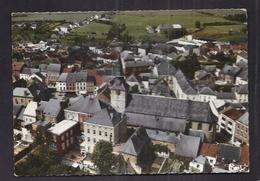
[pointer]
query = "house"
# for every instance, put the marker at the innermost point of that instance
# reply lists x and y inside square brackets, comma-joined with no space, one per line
[228,74]
[227,121]
[136,148]
[27,73]
[17,68]
[166,27]
[82,107]
[188,146]
[107,125]
[53,73]
[241,93]
[64,136]
[22,96]
[50,111]
[77,82]
[199,164]
[29,115]
[118,93]
[170,114]
[228,154]
[242,130]
[183,88]
[210,151]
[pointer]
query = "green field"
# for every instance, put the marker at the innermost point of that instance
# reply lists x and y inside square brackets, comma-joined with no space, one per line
[136,21]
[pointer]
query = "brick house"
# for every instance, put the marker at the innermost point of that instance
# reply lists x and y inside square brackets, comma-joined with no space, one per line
[64,136]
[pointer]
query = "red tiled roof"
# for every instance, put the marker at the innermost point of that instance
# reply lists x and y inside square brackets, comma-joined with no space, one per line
[17,66]
[234,114]
[244,158]
[209,149]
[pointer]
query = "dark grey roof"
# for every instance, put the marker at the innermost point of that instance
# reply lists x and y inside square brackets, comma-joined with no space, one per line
[136,142]
[85,104]
[161,88]
[197,133]
[228,153]
[230,70]
[118,83]
[54,67]
[41,106]
[225,95]
[29,71]
[243,74]
[106,118]
[133,78]
[156,122]
[188,146]
[165,68]
[210,68]
[42,123]
[170,107]
[20,115]
[207,91]
[184,84]
[241,89]
[200,74]
[244,118]
[162,136]
[75,77]
[22,92]
[16,109]
[52,108]
[133,64]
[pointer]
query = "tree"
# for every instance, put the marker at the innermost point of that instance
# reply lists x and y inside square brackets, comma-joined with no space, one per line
[103,157]
[197,24]
[175,33]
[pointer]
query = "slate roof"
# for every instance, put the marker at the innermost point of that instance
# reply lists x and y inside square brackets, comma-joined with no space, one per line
[118,83]
[229,153]
[85,104]
[225,95]
[29,71]
[16,109]
[230,70]
[22,92]
[243,74]
[197,133]
[244,118]
[135,144]
[75,77]
[162,89]
[241,89]
[162,136]
[165,68]
[106,118]
[133,64]
[133,78]
[156,122]
[200,74]
[170,108]
[200,159]
[54,67]
[52,108]
[184,84]
[207,91]
[188,146]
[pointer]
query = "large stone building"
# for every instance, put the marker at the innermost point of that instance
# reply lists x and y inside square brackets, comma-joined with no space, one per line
[107,125]
[170,114]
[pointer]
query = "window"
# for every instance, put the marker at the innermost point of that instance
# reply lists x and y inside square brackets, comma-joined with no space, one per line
[118,92]
[68,142]
[71,132]
[199,126]
[100,133]
[88,131]
[88,139]
[105,133]
[94,140]
[67,134]
[71,140]
[62,137]
[63,146]
[94,131]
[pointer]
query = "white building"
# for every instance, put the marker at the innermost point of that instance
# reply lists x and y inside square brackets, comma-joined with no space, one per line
[29,115]
[105,125]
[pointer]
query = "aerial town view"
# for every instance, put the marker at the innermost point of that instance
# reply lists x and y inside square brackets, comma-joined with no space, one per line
[130,92]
